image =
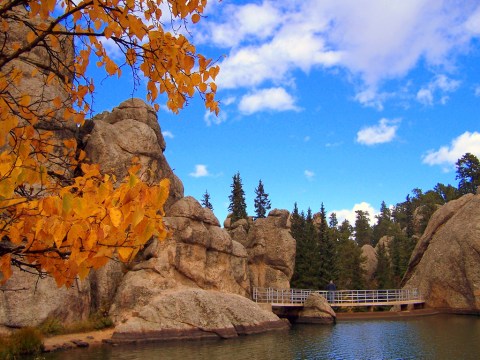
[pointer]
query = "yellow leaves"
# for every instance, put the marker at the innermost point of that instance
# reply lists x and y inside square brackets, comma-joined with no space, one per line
[125,253]
[74,228]
[115,216]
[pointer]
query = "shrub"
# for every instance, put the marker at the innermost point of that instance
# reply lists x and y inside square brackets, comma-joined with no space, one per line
[52,326]
[21,342]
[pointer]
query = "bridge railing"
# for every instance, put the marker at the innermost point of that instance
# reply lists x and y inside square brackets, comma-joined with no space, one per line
[339,297]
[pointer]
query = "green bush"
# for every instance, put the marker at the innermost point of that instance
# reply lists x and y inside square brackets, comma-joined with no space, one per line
[52,326]
[21,342]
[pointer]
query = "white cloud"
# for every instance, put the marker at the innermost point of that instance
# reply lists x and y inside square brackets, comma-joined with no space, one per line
[350,215]
[440,84]
[200,171]
[210,118]
[477,90]
[374,41]
[276,99]
[448,155]
[309,174]
[168,134]
[384,132]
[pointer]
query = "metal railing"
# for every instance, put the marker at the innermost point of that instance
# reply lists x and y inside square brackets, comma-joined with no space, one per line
[339,297]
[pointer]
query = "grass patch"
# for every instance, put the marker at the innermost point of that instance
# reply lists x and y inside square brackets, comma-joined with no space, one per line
[26,341]
[97,321]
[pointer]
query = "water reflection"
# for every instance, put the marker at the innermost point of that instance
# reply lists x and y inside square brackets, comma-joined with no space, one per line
[434,337]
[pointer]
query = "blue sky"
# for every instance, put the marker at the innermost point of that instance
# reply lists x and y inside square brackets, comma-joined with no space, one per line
[349,103]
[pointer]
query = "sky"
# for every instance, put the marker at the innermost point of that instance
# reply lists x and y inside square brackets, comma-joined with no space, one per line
[345,102]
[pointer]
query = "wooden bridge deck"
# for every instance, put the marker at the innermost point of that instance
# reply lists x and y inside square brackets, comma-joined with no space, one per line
[340,298]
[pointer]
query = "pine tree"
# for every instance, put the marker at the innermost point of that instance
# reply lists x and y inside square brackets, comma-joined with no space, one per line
[349,260]
[261,202]
[326,249]
[237,206]
[383,225]
[468,172]
[206,201]
[383,274]
[363,231]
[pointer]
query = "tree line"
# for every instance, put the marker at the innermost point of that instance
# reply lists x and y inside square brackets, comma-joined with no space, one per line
[329,250]
[238,205]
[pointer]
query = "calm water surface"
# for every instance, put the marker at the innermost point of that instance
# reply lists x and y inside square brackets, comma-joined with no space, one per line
[431,337]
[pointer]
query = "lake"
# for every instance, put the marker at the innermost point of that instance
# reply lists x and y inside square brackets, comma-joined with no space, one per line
[428,337]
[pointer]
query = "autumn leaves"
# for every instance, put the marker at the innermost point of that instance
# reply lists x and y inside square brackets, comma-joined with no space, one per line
[58,214]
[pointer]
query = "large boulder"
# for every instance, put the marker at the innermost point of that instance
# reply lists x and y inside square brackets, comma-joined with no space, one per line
[371,261]
[270,247]
[444,265]
[317,310]
[27,300]
[198,254]
[112,139]
[195,313]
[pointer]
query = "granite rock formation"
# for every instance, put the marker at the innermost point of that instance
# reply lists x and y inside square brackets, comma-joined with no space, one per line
[194,284]
[371,261]
[445,264]
[112,139]
[316,310]
[270,247]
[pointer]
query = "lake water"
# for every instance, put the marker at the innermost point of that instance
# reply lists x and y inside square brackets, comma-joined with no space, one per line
[429,337]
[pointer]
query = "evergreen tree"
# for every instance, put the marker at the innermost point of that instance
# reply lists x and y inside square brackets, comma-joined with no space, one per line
[332,220]
[206,201]
[237,206]
[363,231]
[384,271]
[326,248]
[384,222]
[468,172]
[262,203]
[349,260]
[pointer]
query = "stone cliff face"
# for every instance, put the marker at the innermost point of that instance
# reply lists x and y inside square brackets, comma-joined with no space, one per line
[445,265]
[197,283]
[270,247]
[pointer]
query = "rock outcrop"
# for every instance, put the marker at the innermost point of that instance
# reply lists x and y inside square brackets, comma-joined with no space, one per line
[196,283]
[195,313]
[445,262]
[26,300]
[193,284]
[270,247]
[112,139]
[316,310]
[371,261]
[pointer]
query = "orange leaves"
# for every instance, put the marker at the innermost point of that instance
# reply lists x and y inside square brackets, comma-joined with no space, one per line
[64,225]
[87,222]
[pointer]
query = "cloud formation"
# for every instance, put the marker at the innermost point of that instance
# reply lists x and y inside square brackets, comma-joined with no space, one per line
[441,85]
[276,99]
[384,132]
[167,134]
[200,171]
[373,41]
[448,155]
[309,174]
[350,215]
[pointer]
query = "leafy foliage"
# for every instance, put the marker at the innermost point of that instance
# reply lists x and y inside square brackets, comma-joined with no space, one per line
[59,215]
[261,202]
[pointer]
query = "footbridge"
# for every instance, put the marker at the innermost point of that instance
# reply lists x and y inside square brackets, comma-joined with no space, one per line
[339,298]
